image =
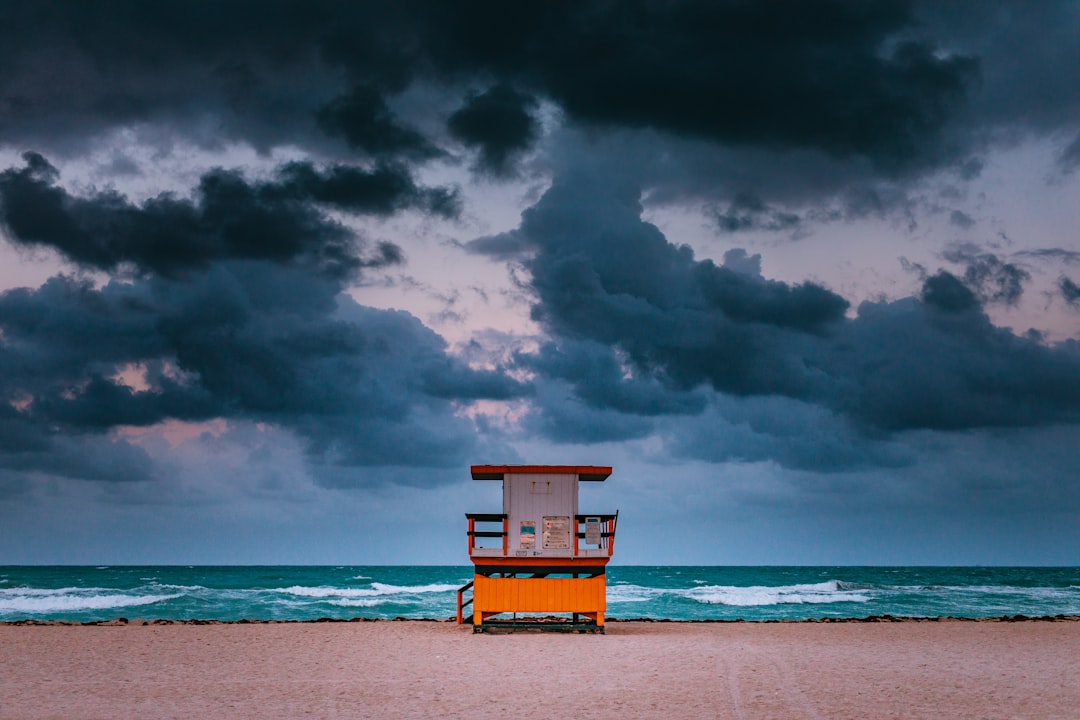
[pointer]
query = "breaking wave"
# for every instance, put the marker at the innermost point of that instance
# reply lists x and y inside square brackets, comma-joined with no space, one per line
[376,590]
[35,601]
[815,593]
[358,602]
[831,591]
[699,593]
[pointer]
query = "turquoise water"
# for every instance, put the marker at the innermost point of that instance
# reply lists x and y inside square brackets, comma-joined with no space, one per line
[679,593]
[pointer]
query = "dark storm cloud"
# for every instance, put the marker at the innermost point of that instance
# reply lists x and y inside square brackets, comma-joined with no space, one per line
[602,274]
[749,212]
[601,381]
[245,340]
[504,246]
[1069,290]
[782,74]
[947,293]
[80,458]
[230,218]
[850,79]
[614,292]
[961,219]
[940,364]
[363,118]
[72,70]
[740,261]
[1069,159]
[633,70]
[557,414]
[1028,59]
[986,278]
[235,311]
[383,190]
[1069,257]
[971,168]
[989,277]
[792,433]
[499,123]
[585,393]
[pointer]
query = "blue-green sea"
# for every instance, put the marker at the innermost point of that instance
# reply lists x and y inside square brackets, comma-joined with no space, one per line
[86,594]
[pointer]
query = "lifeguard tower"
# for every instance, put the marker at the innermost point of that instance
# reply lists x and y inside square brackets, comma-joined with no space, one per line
[539,555]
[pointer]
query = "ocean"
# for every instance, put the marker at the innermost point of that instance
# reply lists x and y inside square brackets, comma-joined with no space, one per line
[87,594]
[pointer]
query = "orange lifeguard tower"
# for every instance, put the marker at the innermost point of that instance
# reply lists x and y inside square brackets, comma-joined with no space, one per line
[544,557]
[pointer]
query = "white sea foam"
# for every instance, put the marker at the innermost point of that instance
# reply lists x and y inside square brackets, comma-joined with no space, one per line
[816,593]
[359,602]
[376,590]
[622,593]
[1040,593]
[1036,593]
[758,595]
[26,600]
[47,592]
[327,592]
[432,588]
[185,588]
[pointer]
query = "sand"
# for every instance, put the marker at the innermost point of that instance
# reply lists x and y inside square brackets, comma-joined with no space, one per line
[637,670]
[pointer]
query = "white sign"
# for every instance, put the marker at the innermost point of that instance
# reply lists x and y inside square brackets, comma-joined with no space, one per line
[592,531]
[527,534]
[556,532]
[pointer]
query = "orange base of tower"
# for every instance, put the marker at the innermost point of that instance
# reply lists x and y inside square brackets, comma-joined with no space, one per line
[584,596]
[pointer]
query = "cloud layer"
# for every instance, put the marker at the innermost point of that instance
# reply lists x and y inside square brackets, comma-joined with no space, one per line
[638,325]
[226,306]
[882,82]
[798,242]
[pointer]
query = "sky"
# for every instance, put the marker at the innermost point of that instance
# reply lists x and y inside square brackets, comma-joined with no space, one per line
[273,275]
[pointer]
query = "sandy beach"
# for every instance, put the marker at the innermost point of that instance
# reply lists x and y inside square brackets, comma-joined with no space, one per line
[433,669]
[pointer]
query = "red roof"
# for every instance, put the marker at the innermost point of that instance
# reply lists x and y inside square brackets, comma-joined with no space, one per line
[584,472]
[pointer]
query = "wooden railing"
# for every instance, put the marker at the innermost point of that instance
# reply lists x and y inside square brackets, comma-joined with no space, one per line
[461,602]
[604,534]
[487,518]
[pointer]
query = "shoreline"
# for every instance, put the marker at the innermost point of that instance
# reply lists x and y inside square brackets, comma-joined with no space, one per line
[123,621]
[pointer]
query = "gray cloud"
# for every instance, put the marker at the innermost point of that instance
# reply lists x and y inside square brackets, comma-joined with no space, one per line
[1069,257]
[602,274]
[230,218]
[613,291]
[941,364]
[499,123]
[247,340]
[794,434]
[228,304]
[1069,290]
[90,458]
[363,118]
[934,85]
[601,381]
[557,414]
[1069,159]
[989,277]
[748,212]
[260,72]
[1027,59]
[961,219]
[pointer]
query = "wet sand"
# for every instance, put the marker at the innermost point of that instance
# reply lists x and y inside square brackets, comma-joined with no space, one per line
[433,669]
